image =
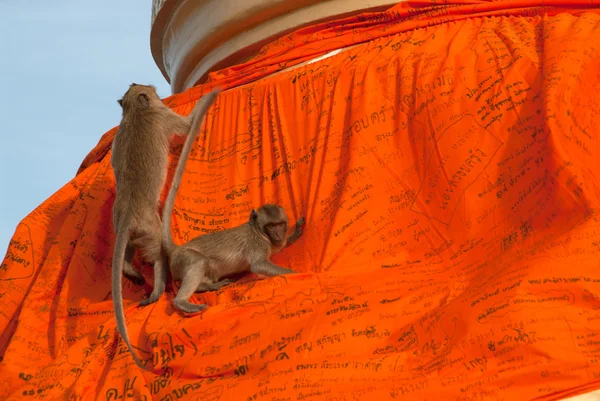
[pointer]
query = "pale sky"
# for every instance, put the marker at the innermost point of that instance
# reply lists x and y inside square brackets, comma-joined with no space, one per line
[63,65]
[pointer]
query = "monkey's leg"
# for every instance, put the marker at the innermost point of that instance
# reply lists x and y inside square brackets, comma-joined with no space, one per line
[160,281]
[128,270]
[213,286]
[297,231]
[193,267]
[267,268]
[151,244]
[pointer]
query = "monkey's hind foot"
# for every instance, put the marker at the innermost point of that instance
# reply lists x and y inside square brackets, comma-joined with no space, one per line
[188,307]
[152,298]
[214,286]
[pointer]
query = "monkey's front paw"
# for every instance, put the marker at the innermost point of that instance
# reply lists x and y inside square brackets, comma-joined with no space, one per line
[300,225]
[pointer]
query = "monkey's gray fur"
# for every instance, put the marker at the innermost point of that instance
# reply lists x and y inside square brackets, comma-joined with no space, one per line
[203,263]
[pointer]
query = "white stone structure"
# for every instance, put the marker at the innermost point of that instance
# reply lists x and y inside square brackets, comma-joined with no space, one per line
[190,38]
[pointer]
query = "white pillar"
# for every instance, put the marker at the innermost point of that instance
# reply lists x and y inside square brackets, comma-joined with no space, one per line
[190,38]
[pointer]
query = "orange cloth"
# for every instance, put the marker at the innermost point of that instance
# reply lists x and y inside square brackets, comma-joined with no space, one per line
[447,167]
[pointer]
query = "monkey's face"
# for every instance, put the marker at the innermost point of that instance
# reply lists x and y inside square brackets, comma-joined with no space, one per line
[276,232]
[138,97]
[272,220]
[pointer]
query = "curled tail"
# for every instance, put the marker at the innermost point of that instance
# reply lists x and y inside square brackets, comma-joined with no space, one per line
[198,113]
[123,233]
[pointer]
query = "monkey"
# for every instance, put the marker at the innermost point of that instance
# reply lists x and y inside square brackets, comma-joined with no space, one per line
[139,159]
[202,263]
[160,276]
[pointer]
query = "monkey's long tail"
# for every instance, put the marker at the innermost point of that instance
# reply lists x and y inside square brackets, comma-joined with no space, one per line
[117,278]
[199,112]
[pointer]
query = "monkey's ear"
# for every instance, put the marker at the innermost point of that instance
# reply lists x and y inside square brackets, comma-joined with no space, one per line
[253,216]
[120,101]
[144,100]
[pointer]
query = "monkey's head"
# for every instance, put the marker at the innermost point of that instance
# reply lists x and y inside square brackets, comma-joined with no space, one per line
[138,97]
[271,220]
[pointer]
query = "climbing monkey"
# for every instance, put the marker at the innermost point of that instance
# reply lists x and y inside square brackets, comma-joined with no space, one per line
[139,159]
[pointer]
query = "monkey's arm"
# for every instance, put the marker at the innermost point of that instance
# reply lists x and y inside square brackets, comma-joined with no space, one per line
[179,124]
[182,125]
[297,231]
[266,268]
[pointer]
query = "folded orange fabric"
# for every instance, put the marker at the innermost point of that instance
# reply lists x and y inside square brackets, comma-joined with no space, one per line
[447,168]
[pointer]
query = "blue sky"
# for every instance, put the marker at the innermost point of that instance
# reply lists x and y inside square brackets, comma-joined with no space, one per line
[63,65]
